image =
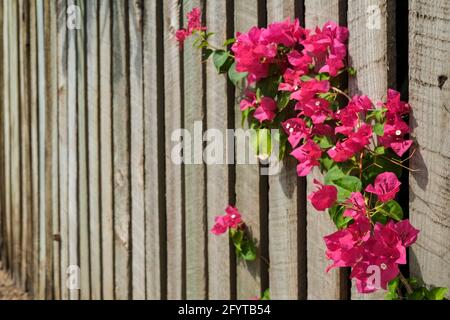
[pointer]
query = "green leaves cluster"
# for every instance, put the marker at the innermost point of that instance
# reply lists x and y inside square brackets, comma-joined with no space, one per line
[244,246]
[396,290]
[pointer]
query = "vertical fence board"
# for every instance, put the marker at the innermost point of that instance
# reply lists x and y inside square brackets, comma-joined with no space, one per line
[72,163]
[137,149]
[429,94]
[218,175]
[63,146]
[6,137]
[106,158]
[82,155]
[321,285]
[194,171]
[248,179]
[121,147]
[34,145]
[15,142]
[371,22]
[2,151]
[92,99]
[174,172]
[286,274]
[154,149]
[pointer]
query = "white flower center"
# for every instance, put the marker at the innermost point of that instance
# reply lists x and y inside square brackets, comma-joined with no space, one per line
[287,126]
[233,216]
[317,103]
[383,266]
[291,130]
[398,132]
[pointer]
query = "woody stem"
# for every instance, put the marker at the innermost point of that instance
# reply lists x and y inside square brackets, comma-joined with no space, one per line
[405,283]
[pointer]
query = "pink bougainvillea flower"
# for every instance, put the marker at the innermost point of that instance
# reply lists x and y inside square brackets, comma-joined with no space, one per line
[317,109]
[296,130]
[388,243]
[285,32]
[231,219]
[325,197]
[393,136]
[249,101]
[194,20]
[266,110]
[360,103]
[333,65]
[309,89]
[407,233]
[307,155]
[181,35]
[386,186]
[363,273]
[395,105]
[291,80]
[356,141]
[358,206]
[299,61]
[322,129]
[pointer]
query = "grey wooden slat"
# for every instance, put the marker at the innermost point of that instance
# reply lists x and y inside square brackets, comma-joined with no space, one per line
[429,47]
[321,285]
[121,147]
[3,256]
[194,173]
[154,149]
[174,173]
[137,149]
[218,175]
[371,48]
[248,178]
[106,173]
[72,163]
[284,211]
[63,144]
[92,99]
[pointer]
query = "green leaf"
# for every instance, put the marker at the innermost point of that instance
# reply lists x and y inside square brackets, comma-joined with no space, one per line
[269,86]
[418,294]
[324,142]
[337,215]
[229,41]
[266,294]
[283,100]
[264,143]
[393,285]
[333,174]
[235,76]
[248,251]
[245,115]
[351,71]
[392,209]
[391,296]
[206,53]
[305,78]
[323,76]
[378,128]
[380,150]
[222,61]
[437,293]
[377,114]
[346,185]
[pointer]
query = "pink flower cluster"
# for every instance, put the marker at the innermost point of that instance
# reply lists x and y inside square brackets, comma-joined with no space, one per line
[362,247]
[232,219]
[194,24]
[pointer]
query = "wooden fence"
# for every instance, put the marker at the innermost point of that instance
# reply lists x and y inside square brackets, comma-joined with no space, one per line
[91,91]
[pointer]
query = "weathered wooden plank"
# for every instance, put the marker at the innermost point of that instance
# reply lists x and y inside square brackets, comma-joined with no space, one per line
[106,174]
[25,147]
[154,150]
[92,99]
[3,250]
[72,163]
[83,198]
[15,142]
[174,172]
[194,172]
[321,285]
[287,277]
[371,47]
[63,144]
[92,94]
[219,114]
[429,92]
[121,147]
[137,149]
[249,198]
[6,137]
[34,143]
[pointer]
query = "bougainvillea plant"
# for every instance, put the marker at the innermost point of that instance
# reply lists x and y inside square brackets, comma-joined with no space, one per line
[291,78]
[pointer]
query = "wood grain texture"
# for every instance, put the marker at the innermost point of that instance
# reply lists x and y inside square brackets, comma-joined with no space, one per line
[137,149]
[3,256]
[121,148]
[63,144]
[371,44]
[72,162]
[321,285]
[14,103]
[248,179]
[33,99]
[154,149]
[106,157]
[218,175]
[174,172]
[429,92]
[286,271]
[93,124]
[194,171]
